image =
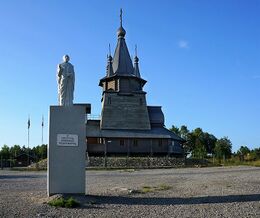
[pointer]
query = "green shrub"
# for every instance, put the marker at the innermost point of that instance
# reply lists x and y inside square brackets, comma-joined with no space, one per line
[61,202]
[70,203]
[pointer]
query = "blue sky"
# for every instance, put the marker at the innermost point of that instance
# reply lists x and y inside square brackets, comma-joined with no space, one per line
[201,60]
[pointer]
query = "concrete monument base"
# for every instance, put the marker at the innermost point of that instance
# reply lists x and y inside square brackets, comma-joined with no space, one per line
[66,149]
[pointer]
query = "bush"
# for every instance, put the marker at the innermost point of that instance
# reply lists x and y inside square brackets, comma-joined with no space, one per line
[61,202]
[70,203]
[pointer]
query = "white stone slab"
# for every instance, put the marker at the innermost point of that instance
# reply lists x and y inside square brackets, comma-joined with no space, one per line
[66,150]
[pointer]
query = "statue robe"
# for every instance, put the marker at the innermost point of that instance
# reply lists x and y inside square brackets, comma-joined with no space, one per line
[66,80]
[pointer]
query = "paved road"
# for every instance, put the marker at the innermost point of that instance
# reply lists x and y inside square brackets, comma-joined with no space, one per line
[194,192]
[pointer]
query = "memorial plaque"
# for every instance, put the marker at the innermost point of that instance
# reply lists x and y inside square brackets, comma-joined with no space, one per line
[67,140]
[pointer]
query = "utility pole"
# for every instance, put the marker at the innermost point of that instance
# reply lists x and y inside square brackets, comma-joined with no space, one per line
[42,127]
[29,124]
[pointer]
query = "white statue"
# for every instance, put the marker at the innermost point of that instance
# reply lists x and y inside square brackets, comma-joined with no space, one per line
[66,80]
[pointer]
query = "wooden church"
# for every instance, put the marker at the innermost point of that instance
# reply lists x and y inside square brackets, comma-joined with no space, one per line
[128,126]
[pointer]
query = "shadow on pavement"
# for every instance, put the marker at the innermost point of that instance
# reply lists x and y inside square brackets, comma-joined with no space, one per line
[21,176]
[172,201]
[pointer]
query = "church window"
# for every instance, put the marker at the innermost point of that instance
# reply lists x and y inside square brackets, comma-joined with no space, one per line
[160,142]
[135,142]
[141,101]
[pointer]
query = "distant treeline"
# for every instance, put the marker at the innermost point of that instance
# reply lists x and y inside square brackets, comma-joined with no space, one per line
[200,144]
[9,153]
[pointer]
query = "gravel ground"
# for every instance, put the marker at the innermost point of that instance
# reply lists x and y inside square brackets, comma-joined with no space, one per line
[194,192]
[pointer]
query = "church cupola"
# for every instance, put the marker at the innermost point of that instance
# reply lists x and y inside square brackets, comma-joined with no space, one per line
[110,71]
[122,63]
[136,63]
[121,74]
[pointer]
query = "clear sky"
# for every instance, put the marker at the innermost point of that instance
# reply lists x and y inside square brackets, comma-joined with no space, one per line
[201,60]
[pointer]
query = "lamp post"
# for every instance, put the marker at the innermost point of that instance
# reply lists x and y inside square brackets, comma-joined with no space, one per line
[106,144]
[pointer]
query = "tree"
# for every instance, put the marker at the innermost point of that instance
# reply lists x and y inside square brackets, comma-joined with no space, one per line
[5,152]
[43,151]
[184,132]
[243,150]
[209,142]
[199,150]
[39,152]
[26,150]
[197,132]
[175,129]
[186,135]
[199,144]
[15,151]
[223,148]
[255,154]
[189,145]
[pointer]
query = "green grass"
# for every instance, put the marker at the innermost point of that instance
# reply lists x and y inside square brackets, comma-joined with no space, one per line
[61,202]
[163,187]
[233,161]
[147,189]
[255,163]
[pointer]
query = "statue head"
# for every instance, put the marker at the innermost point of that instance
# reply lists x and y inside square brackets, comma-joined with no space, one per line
[66,58]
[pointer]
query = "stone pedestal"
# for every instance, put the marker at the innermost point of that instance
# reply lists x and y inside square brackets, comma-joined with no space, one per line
[66,150]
